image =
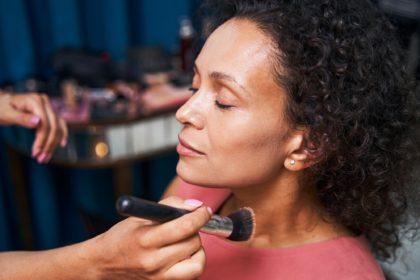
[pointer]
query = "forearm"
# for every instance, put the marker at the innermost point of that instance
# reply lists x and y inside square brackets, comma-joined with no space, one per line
[132,249]
[71,262]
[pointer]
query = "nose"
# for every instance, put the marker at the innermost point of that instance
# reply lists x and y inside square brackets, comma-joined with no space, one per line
[191,113]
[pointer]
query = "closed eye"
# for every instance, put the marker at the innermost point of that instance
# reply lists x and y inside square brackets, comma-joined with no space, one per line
[222,106]
[217,103]
[193,90]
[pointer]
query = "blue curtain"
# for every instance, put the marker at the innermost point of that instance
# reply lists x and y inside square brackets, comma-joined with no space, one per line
[30,32]
[9,233]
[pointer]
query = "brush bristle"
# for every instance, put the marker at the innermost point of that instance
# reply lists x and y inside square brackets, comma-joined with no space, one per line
[243,224]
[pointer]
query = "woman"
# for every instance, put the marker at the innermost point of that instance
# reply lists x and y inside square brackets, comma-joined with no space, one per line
[302,111]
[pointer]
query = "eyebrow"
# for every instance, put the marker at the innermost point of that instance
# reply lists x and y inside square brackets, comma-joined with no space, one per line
[217,75]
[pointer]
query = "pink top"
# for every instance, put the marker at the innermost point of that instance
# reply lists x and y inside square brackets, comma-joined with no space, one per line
[344,258]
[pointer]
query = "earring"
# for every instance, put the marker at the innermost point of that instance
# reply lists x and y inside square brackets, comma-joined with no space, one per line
[292,162]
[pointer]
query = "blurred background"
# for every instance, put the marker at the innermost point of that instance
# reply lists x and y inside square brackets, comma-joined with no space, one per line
[116,70]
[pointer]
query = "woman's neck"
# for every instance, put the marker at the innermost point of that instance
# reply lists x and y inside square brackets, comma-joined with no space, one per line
[286,213]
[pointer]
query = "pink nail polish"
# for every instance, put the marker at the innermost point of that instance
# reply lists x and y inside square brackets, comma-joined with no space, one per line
[34,120]
[210,210]
[42,157]
[193,202]
[63,143]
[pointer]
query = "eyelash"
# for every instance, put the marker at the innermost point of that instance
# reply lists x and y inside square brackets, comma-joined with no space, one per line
[222,106]
[217,103]
[193,90]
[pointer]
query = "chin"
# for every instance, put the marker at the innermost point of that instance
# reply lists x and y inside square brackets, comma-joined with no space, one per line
[195,177]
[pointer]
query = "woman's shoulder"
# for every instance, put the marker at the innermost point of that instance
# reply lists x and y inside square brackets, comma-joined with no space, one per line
[344,258]
[353,257]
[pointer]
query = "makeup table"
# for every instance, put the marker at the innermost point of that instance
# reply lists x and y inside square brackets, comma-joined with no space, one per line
[105,134]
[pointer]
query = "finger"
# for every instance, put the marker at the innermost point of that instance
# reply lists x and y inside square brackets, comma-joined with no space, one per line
[190,268]
[178,229]
[163,258]
[188,204]
[32,103]
[65,132]
[30,121]
[24,119]
[54,135]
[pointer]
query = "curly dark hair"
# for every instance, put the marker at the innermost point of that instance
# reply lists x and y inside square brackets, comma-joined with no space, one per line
[343,70]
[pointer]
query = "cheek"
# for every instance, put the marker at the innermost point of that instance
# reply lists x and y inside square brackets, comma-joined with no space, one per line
[241,155]
[246,133]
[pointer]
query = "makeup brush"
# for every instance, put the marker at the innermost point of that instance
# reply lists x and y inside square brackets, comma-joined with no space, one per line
[238,226]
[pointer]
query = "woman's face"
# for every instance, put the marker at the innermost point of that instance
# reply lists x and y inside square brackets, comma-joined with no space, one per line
[234,124]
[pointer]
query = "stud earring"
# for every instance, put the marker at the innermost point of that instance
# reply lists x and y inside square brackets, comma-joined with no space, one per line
[292,162]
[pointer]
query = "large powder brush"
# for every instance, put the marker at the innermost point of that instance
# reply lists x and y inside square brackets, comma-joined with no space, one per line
[238,226]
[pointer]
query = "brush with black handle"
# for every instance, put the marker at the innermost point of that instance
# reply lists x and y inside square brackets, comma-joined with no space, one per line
[238,226]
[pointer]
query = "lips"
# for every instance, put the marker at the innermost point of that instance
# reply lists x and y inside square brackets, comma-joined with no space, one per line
[186,149]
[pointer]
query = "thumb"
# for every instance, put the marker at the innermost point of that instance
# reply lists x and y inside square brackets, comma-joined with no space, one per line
[26,120]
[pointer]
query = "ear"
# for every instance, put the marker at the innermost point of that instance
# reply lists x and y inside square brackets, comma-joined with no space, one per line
[298,156]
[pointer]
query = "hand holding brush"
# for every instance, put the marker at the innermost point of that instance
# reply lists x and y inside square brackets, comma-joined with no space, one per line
[238,226]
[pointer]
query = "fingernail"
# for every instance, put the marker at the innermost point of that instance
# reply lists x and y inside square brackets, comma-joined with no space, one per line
[34,120]
[42,157]
[63,143]
[193,202]
[210,210]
